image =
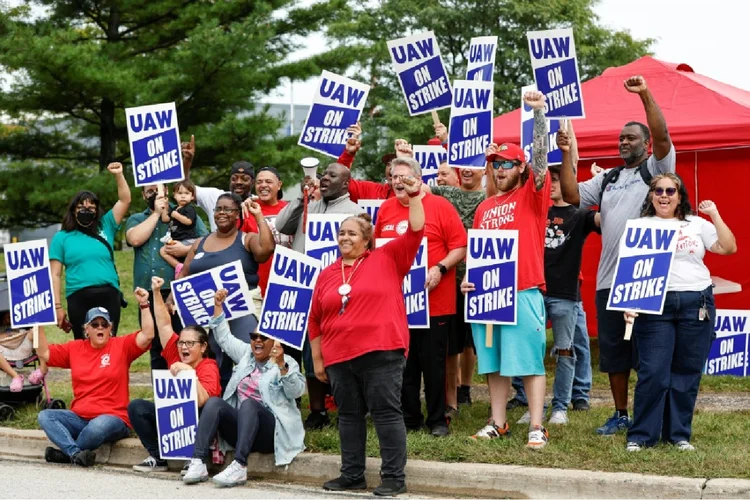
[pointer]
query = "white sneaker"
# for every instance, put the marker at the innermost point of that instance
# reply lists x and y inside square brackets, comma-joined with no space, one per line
[152,464]
[558,417]
[234,475]
[685,446]
[196,473]
[538,438]
[525,419]
[633,447]
[166,238]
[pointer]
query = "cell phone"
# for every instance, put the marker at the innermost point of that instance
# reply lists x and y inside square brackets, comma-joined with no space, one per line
[67,326]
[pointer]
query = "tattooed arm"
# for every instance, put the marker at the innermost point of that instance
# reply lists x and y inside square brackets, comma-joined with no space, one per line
[536,100]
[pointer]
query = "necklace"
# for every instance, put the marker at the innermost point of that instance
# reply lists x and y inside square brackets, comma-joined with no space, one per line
[345,289]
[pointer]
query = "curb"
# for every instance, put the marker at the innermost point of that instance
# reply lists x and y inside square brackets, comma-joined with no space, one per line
[487,480]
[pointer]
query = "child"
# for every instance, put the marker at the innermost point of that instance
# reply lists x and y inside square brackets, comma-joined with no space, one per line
[16,384]
[182,226]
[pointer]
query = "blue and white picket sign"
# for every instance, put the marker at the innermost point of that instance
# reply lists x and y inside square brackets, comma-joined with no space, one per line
[321,237]
[728,354]
[492,265]
[176,401]
[29,284]
[553,59]
[470,130]
[424,81]
[416,297]
[286,307]
[337,104]
[645,257]
[194,295]
[372,207]
[481,66]
[155,149]
[430,158]
[554,154]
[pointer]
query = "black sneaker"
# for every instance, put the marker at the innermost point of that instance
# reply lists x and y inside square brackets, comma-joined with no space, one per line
[440,430]
[464,395]
[316,420]
[581,405]
[390,488]
[55,456]
[343,484]
[84,458]
[515,403]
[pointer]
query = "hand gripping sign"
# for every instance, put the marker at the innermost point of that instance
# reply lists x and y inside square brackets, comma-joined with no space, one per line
[554,155]
[154,144]
[321,237]
[416,297]
[728,354]
[481,66]
[470,130]
[424,81]
[29,284]
[176,401]
[286,308]
[337,104]
[194,295]
[430,158]
[371,207]
[553,59]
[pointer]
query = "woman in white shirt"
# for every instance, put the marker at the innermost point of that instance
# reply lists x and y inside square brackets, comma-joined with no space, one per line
[673,346]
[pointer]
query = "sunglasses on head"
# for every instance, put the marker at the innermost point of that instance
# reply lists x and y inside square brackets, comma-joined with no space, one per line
[660,191]
[99,324]
[258,336]
[504,164]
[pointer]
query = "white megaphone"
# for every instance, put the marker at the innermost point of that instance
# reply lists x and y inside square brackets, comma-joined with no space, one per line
[310,166]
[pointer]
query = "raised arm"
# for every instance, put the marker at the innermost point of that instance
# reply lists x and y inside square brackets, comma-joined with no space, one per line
[231,345]
[573,146]
[353,143]
[163,319]
[489,171]
[120,210]
[568,179]
[726,244]
[188,153]
[146,335]
[660,139]
[535,100]
[261,245]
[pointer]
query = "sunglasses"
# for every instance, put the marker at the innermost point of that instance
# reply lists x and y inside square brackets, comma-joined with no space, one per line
[660,191]
[257,336]
[225,210]
[505,164]
[187,343]
[99,324]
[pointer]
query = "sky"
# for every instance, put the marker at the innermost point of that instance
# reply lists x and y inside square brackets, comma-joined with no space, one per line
[704,34]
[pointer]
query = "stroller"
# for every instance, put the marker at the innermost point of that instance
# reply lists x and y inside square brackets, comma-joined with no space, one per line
[17,349]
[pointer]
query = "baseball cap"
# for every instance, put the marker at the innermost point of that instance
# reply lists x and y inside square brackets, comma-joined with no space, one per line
[97,312]
[275,172]
[509,151]
[243,167]
[434,142]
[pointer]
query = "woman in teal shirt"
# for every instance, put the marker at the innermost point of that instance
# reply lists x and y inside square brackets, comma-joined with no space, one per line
[90,275]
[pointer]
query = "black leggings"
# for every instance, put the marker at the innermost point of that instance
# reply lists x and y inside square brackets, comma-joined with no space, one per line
[84,299]
[251,428]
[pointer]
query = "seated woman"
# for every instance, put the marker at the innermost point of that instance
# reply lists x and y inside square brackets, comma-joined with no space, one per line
[100,371]
[673,346]
[14,344]
[258,412]
[188,351]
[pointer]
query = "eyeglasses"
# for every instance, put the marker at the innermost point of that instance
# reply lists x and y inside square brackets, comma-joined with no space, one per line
[225,210]
[99,324]
[187,343]
[504,164]
[660,191]
[257,336]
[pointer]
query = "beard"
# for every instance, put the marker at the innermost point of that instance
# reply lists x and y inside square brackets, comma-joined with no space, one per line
[511,181]
[635,155]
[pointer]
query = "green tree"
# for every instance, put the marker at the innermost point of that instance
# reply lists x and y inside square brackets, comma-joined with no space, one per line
[75,65]
[365,28]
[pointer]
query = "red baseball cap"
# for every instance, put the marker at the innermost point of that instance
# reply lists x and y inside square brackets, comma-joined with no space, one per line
[509,151]
[434,142]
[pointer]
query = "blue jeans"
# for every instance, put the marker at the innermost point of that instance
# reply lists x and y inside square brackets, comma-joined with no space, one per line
[582,378]
[562,314]
[673,348]
[71,433]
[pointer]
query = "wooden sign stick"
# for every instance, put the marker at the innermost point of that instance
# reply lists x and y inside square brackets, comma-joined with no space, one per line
[488,337]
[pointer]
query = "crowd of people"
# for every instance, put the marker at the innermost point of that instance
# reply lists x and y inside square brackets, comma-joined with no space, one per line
[359,348]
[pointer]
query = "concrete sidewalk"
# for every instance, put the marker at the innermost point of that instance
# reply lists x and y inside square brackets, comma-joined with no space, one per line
[476,480]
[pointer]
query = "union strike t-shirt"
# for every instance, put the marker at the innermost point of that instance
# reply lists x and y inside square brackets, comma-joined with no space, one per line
[524,209]
[444,232]
[250,226]
[207,370]
[101,377]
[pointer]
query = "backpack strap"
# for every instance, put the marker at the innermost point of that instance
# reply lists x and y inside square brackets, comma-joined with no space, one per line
[613,174]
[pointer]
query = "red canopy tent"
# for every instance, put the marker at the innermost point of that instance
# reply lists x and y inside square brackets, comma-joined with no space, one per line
[709,123]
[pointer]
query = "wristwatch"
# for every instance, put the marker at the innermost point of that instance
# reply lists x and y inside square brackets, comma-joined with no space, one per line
[442,268]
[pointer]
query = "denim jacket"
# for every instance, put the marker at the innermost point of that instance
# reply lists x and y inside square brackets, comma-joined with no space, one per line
[277,392]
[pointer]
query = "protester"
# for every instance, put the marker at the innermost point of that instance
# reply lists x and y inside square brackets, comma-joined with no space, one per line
[183,226]
[518,350]
[446,247]
[258,411]
[84,248]
[619,192]
[334,191]
[359,189]
[673,346]
[225,245]
[447,176]
[100,372]
[144,231]
[187,351]
[366,371]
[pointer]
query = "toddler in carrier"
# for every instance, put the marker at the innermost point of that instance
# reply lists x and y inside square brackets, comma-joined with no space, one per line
[16,346]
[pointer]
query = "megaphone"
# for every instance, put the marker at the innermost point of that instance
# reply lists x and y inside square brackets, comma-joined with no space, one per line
[310,166]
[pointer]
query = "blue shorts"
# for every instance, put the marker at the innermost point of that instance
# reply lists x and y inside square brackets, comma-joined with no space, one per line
[517,350]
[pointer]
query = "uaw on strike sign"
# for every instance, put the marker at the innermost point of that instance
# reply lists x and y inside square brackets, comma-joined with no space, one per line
[30,284]
[728,353]
[176,401]
[154,144]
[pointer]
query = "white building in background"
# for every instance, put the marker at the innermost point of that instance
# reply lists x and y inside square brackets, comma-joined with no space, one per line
[294,116]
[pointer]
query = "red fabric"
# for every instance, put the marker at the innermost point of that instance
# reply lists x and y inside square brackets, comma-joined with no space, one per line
[364,190]
[207,370]
[524,209]
[375,316]
[250,226]
[100,376]
[444,231]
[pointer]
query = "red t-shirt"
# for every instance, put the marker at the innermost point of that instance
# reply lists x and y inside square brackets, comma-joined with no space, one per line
[375,316]
[444,231]
[100,377]
[524,209]
[250,226]
[364,190]
[207,370]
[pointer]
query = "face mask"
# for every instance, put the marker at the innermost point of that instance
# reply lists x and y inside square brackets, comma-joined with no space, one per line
[151,201]
[85,219]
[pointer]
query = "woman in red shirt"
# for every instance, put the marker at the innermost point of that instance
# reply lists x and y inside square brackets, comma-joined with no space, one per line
[188,351]
[359,338]
[100,371]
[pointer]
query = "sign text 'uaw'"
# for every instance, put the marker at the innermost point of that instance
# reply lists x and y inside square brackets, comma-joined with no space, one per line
[470,130]
[155,149]
[29,284]
[321,237]
[481,59]
[176,401]
[728,353]
[430,158]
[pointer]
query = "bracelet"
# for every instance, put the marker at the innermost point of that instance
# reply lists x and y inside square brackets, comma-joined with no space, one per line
[414,194]
[144,306]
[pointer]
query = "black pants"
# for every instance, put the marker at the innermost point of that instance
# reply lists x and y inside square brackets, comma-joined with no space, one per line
[157,362]
[251,428]
[427,351]
[372,381]
[84,299]
[142,416]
